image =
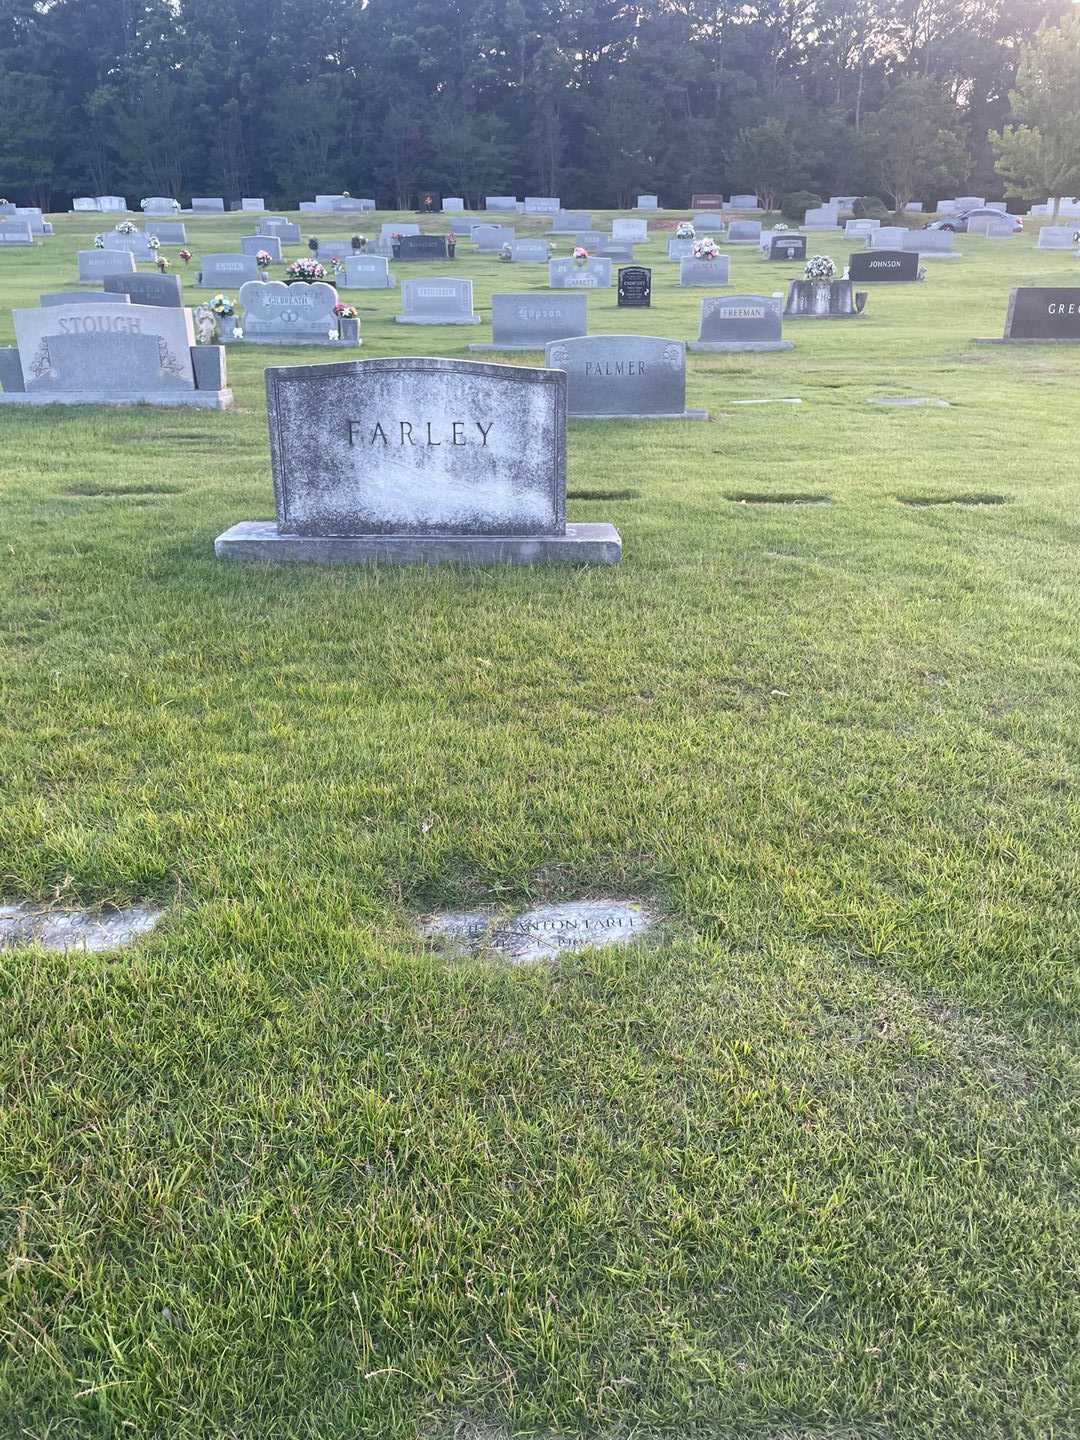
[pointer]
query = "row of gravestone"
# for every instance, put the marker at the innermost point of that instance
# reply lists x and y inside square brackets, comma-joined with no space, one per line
[23,225]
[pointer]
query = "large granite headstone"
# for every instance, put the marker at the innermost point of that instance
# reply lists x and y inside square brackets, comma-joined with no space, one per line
[930,244]
[707,201]
[821,217]
[166,290]
[859,229]
[368,272]
[678,249]
[296,314]
[101,354]
[15,232]
[501,202]
[565,222]
[1042,313]
[418,460]
[881,266]
[168,232]
[208,205]
[783,245]
[743,202]
[225,270]
[287,231]
[96,264]
[635,232]
[83,297]
[648,202]
[529,252]
[744,232]
[253,244]
[734,323]
[390,228]
[530,321]
[710,273]
[1056,237]
[591,274]
[453,204]
[422,247]
[543,205]
[629,377]
[823,300]
[136,245]
[887,237]
[438,301]
[492,237]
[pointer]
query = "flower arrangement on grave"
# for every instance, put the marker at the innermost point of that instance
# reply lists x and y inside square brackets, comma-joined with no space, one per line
[820,267]
[263,259]
[308,270]
[125,228]
[684,230]
[162,264]
[505,252]
[153,242]
[780,225]
[451,243]
[706,248]
[99,242]
[397,237]
[185,255]
[222,306]
[345,312]
[359,244]
[581,255]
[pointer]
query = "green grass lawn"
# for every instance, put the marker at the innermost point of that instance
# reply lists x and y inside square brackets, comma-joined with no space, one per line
[801,1163]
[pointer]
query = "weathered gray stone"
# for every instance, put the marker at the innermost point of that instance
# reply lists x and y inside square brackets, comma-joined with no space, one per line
[545,205]
[453,204]
[147,289]
[136,245]
[569,274]
[160,205]
[367,272]
[252,202]
[565,222]
[252,244]
[733,323]
[860,228]
[15,232]
[679,249]
[823,300]
[543,933]
[227,270]
[530,321]
[84,203]
[1056,237]
[209,365]
[390,228]
[783,245]
[96,264]
[648,202]
[500,202]
[114,204]
[11,376]
[418,460]
[109,354]
[744,232]
[492,237]
[887,237]
[743,202]
[616,250]
[286,230]
[529,252]
[92,930]
[929,244]
[297,314]
[168,232]
[438,301]
[634,232]
[821,217]
[206,205]
[629,377]
[709,273]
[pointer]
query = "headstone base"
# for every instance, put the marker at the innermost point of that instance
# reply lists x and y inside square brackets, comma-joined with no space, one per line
[855,315]
[260,540]
[734,347]
[198,399]
[1005,340]
[331,342]
[539,345]
[681,415]
[938,255]
[440,320]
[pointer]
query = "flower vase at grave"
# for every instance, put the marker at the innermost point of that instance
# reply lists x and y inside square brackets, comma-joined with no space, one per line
[349,329]
[451,246]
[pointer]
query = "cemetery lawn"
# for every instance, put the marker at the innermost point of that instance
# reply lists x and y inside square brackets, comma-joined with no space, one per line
[800,1163]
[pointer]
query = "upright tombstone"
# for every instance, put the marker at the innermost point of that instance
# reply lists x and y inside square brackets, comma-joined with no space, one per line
[733,323]
[453,204]
[260,244]
[930,244]
[783,245]
[998,205]
[622,251]
[33,214]
[821,217]
[565,222]
[970,202]
[83,203]
[164,290]
[842,202]
[97,264]
[979,224]
[168,232]
[297,314]
[823,300]
[529,252]
[678,248]
[647,202]
[253,203]
[438,301]
[634,287]
[590,240]
[1041,314]
[1000,230]
[82,297]
[15,232]
[422,247]
[530,321]
[627,377]
[710,273]
[287,231]
[744,232]
[491,238]
[160,205]
[591,274]
[227,270]
[500,203]
[1057,237]
[709,225]
[368,272]
[706,201]
[636,232]
[887,237]
[543,205]
[207,205]
[137,245]
[913,207]
[121,354]
[113,204]
[883,266]
[390,228]
[418,460]
[859,229]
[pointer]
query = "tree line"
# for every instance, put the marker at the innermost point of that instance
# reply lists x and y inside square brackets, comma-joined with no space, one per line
[590,100]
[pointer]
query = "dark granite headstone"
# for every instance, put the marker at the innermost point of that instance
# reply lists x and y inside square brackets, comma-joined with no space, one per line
[147,289]
[1038,312]
[785,245]
[635,286]
[422,247]
[707,202]
[883,265]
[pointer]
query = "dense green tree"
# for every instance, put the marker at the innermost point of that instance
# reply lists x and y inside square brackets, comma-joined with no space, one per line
[1041,156]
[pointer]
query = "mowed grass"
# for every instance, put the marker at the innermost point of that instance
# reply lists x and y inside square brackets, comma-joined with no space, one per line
[802,1163]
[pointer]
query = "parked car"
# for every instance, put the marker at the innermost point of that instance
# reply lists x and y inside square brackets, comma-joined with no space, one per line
[959,223]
